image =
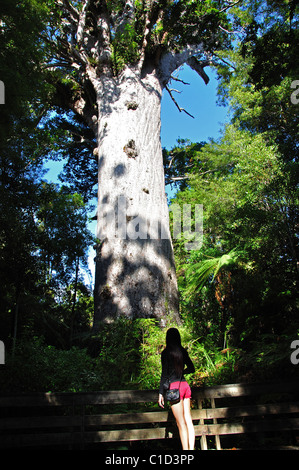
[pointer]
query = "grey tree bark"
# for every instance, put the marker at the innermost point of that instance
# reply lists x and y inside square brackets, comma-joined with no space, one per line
[135,271]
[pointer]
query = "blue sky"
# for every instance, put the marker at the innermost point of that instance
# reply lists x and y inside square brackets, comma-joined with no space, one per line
[198,99]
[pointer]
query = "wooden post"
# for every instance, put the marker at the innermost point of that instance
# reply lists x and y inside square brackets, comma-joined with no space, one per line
[217,437]
[82,440]
[203,439]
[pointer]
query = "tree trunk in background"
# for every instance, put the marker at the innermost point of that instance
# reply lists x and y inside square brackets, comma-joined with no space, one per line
[111,61]
[135,271]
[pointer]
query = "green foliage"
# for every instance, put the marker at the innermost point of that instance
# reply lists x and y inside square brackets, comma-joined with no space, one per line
[69,138]
[124,48]
[124,355]
[116,348]
[21,55]
[38,367]
[191,22]
[198,273]
[62,227]
[43,234]
[246,197]
[179,162]
[264,66]
[246,183]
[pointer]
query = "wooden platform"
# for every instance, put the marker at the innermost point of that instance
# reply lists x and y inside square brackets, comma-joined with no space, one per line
[78,420]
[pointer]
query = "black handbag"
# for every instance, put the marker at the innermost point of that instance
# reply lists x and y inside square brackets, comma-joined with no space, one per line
[173,396]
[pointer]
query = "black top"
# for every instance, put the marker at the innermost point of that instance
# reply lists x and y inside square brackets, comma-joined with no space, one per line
[168,370]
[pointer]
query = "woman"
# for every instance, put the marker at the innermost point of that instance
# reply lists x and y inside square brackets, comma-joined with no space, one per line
[173,359]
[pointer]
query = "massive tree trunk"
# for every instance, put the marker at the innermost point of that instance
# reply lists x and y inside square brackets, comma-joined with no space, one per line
[111,61]
[135,271]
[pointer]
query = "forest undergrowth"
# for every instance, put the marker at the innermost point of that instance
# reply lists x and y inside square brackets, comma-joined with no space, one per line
[126,355]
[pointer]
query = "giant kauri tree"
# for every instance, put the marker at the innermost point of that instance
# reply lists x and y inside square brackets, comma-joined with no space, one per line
[111,60]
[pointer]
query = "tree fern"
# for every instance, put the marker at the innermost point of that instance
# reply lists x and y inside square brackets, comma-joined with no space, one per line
[199,273]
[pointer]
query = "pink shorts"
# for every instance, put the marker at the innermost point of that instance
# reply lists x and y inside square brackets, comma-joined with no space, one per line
[185,390]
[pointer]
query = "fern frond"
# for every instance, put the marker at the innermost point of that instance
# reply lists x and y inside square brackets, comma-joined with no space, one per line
[199,273]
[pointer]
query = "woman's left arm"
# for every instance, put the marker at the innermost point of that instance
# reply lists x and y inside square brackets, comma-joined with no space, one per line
[162,380]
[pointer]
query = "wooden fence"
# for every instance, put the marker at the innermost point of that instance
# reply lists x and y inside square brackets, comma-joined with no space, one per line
[81,420]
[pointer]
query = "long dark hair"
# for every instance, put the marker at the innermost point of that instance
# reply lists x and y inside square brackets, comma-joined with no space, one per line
[174,349]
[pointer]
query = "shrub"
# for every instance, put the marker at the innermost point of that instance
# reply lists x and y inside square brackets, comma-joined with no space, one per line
[37,367]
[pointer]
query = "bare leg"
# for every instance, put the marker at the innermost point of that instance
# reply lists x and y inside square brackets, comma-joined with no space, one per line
[178,413]
[189,423]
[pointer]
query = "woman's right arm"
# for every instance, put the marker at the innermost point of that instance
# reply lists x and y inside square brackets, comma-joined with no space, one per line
[190,369]
[161,400]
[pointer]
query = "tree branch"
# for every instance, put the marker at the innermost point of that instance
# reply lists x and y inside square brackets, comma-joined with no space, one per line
[198,67]
[70,11]
[146,33]
[171,61]
[177,79]
[82,22]
[179,108]
[103,25]
[173,179]
[224,61]
[230,5]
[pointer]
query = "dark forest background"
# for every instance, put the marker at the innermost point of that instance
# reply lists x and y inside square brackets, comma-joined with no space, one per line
[238,292]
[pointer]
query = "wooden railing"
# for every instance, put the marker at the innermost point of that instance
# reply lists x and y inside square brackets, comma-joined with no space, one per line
[80,420]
